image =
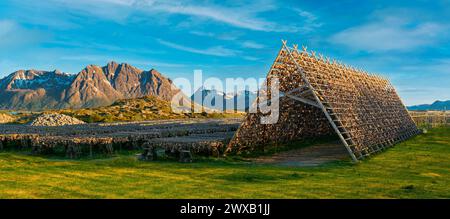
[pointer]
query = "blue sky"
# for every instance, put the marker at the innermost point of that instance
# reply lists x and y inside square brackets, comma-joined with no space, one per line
[406,41]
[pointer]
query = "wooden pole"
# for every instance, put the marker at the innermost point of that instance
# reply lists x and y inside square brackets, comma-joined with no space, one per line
[321,106]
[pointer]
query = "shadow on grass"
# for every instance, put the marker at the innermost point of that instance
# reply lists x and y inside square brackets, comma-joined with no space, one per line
[128,158]
[222,160]
[273,148]
[258,177]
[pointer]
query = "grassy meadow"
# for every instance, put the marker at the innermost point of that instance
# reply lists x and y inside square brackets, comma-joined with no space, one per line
[418,168]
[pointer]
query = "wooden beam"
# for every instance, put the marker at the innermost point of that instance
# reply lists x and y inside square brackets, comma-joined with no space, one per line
[321,106]
[303,100]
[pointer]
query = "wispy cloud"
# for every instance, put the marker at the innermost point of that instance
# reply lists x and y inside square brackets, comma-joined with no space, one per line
[213,51]
[250,58]
[241,17]
[220,36]
[12,35]
[390,33]
[252,45]
[245,15]
[310,20]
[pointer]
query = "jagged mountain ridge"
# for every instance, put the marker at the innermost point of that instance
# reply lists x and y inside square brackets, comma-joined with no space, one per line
[94,86]
[219,100]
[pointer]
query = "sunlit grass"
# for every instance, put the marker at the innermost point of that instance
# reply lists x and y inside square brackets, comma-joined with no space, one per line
[418,168]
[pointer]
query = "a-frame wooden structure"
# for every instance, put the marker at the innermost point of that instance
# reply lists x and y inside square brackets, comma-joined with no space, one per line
[320,97]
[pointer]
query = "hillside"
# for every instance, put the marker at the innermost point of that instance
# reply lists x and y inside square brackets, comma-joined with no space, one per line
[5,118]
[140,109]
[437,105]
[94,86]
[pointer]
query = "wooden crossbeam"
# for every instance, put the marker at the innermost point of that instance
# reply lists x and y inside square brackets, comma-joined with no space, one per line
[363,109]
[320,105]
[303,100]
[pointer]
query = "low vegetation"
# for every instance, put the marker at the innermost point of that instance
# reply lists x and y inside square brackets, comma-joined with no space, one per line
[6,118]
[141,109]
[417,168]
[131,110]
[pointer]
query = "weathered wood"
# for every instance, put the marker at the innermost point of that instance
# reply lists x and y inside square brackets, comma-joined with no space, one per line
[363,110]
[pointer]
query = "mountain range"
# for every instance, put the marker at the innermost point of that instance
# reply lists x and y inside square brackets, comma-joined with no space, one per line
[97,86]
[218,100]
[437,105]
[94,86]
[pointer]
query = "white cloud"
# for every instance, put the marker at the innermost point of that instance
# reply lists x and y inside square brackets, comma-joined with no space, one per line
[99,2]
[232,16]
[213,51]
[390,33]
[202,33]
[308,15]
[310,22]
[245,15]
[229,36]
[114,2]
[252,45]
[250,58]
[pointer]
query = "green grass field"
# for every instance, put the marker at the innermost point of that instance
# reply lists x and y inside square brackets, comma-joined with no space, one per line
[418,168]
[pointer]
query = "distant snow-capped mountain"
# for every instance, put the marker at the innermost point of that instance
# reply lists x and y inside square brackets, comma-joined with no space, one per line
[33,79]
[219,100]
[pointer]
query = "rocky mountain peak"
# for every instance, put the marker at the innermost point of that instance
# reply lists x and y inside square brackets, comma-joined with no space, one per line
[33,79]
[112,64]
[93,86]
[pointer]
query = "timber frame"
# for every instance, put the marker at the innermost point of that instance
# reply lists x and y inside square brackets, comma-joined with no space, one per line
[364,110]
